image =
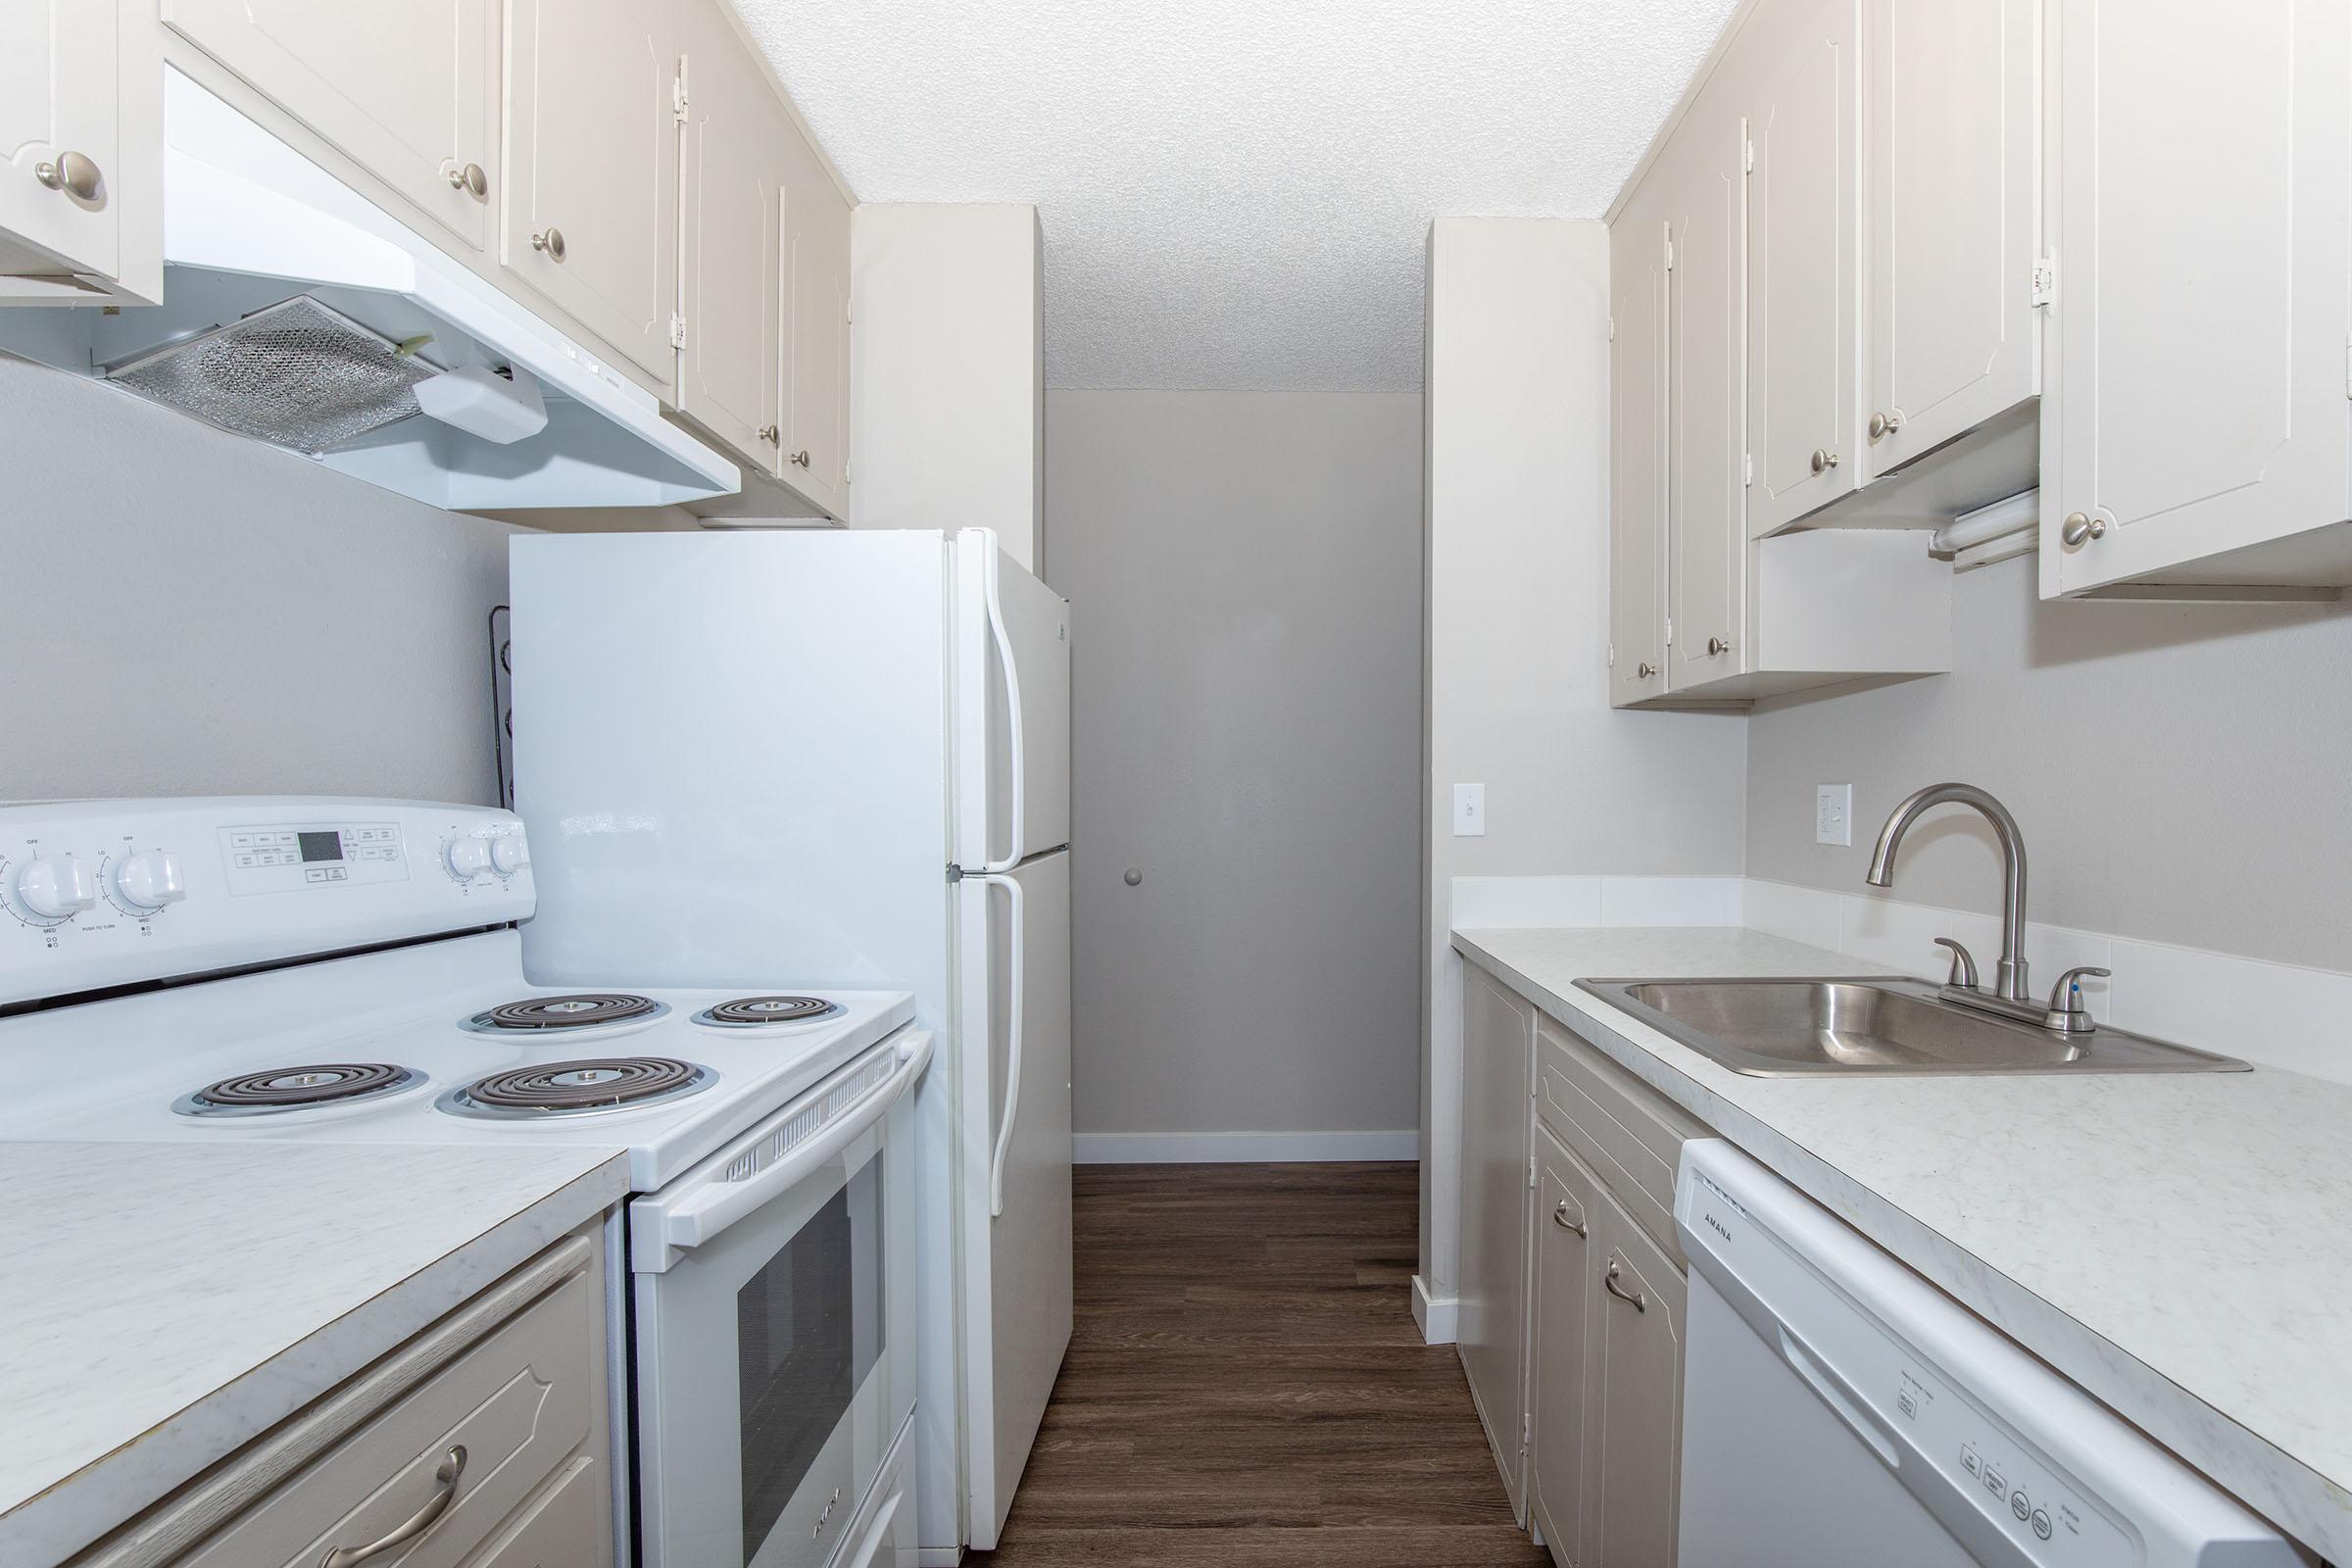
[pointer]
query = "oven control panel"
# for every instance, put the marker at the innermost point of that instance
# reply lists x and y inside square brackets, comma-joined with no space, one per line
[97,894]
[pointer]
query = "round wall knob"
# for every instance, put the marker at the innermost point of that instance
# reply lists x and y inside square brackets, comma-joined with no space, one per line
[72,173]
[467,859]
[1134,877]
[470,179]
[2080,528]
[509,853]
[149,880]
[55,886]
[1717,647]
[1824,459]
[550,240]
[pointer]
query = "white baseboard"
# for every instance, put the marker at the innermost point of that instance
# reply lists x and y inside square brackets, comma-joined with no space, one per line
[1433,1314]
[1242,1149]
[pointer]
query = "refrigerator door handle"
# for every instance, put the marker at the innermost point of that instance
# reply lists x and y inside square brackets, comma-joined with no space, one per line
[1012,710]
[1016,963]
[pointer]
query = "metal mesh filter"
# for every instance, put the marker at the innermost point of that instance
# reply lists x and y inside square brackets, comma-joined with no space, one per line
[296,374]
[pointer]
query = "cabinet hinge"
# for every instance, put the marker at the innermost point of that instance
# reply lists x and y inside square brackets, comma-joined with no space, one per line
[677,97]
[1670,631]
[1612,656]
[1748,469]
[1670,252]
[2045,278]
[678,331]
[1531,1170]
[1612,329]
[2348,369]
[1747,151]
[1526,1428]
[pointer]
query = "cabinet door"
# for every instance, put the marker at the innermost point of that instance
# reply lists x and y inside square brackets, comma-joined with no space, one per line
[57,117]
[1803,249]
[1951,166]
[1562,1305]
[1634,1393]
[2197,394]
[1499,1034]
[1706,526]
[1637,312]
[816,349]
[590,217]
[731,204]
[407,88]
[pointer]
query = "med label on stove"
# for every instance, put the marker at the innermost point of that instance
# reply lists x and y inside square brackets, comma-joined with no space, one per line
[100,893]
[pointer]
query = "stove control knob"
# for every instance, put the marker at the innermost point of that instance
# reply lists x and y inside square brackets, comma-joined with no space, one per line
[55,886]
[509,854]
[467,859]
[147,881]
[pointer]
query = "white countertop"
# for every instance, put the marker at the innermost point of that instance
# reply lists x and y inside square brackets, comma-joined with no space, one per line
[2173,1242]
[163,1305]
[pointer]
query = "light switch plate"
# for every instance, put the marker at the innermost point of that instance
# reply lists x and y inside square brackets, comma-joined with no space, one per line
[1834,813]
[1469,811]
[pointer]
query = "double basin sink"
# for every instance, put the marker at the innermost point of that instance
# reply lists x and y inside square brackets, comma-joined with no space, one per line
[1788,1028]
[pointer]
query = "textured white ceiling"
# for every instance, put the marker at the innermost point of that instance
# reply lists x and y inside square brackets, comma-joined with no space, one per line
[1234,192]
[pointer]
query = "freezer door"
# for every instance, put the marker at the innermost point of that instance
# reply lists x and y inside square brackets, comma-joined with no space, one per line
[1035,623]
[1017,1281]
[730,751]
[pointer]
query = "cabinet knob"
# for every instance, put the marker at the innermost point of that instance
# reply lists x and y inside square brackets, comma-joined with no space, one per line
[1886,424]
[2080,528]
[72,173]
[1134,877]
[470,179]
[1717,647]
[800,458]
[550,240]
[1644,670]
[770,434]
[1824,459]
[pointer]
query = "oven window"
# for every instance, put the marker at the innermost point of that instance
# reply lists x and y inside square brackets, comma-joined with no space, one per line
[809,1328]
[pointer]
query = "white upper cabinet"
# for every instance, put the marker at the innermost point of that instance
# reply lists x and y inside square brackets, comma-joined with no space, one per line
[1706,333]
[589,216]
[816,345]
[1799,72]
[732,171]
[1951,164]
[1637,305]
[406,89]
[67,176]
[2196,427]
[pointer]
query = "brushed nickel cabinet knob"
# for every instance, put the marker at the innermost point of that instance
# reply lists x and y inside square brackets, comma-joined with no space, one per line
[2080,528]
[72,173]
[550,240]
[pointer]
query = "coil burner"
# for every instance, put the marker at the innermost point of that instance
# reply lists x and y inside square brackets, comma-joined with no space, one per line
[767,1012]
[281,1089]
[578,1088]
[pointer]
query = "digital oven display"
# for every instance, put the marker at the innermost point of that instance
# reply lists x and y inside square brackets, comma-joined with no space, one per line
[326,846]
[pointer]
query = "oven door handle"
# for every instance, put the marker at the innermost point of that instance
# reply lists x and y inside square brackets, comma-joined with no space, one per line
[697,1215]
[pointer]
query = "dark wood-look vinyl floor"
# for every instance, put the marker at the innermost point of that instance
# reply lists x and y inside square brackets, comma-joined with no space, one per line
[1246,1387]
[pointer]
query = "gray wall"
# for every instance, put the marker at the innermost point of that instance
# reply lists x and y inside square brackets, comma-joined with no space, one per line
[189,612]
[1245,575]
[2180,772]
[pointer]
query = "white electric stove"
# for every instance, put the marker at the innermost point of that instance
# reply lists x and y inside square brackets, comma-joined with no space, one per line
[350,971]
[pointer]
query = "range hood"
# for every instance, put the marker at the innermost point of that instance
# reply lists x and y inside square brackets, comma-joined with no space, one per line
[297,312]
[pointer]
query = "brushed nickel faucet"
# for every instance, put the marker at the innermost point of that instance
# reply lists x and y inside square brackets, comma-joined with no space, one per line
[2064,1013]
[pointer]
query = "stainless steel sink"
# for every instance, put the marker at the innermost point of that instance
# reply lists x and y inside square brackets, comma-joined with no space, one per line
[1788,1028]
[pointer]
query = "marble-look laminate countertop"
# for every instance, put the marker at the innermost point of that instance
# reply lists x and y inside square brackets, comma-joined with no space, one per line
[2173,1242]
[162,1305]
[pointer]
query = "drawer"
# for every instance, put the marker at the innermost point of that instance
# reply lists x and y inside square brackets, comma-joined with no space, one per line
[520,1403]
[569,1525]
[1631,1135]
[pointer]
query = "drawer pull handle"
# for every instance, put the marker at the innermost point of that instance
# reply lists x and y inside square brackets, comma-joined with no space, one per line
[1559,1217]
[1608,1281]
[453,1465]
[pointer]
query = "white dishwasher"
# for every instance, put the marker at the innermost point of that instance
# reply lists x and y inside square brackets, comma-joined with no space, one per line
[1841,1412]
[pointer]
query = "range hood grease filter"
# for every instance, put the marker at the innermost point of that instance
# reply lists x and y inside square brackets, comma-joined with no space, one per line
[296,374]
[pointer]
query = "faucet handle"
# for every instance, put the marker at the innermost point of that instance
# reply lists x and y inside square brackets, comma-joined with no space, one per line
[1964,967]
[2066,1011]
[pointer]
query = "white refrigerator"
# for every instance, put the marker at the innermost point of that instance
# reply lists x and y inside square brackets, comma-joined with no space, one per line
[838,758]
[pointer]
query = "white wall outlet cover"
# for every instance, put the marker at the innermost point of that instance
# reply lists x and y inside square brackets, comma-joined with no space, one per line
[1834,813]
[1469,811]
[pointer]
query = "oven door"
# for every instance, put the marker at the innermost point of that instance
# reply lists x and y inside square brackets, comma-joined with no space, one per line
[774,1334]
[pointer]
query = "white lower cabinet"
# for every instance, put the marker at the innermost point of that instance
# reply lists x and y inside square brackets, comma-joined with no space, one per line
[1602,1286]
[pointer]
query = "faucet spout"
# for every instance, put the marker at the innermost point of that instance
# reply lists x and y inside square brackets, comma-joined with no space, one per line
[2011,972]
